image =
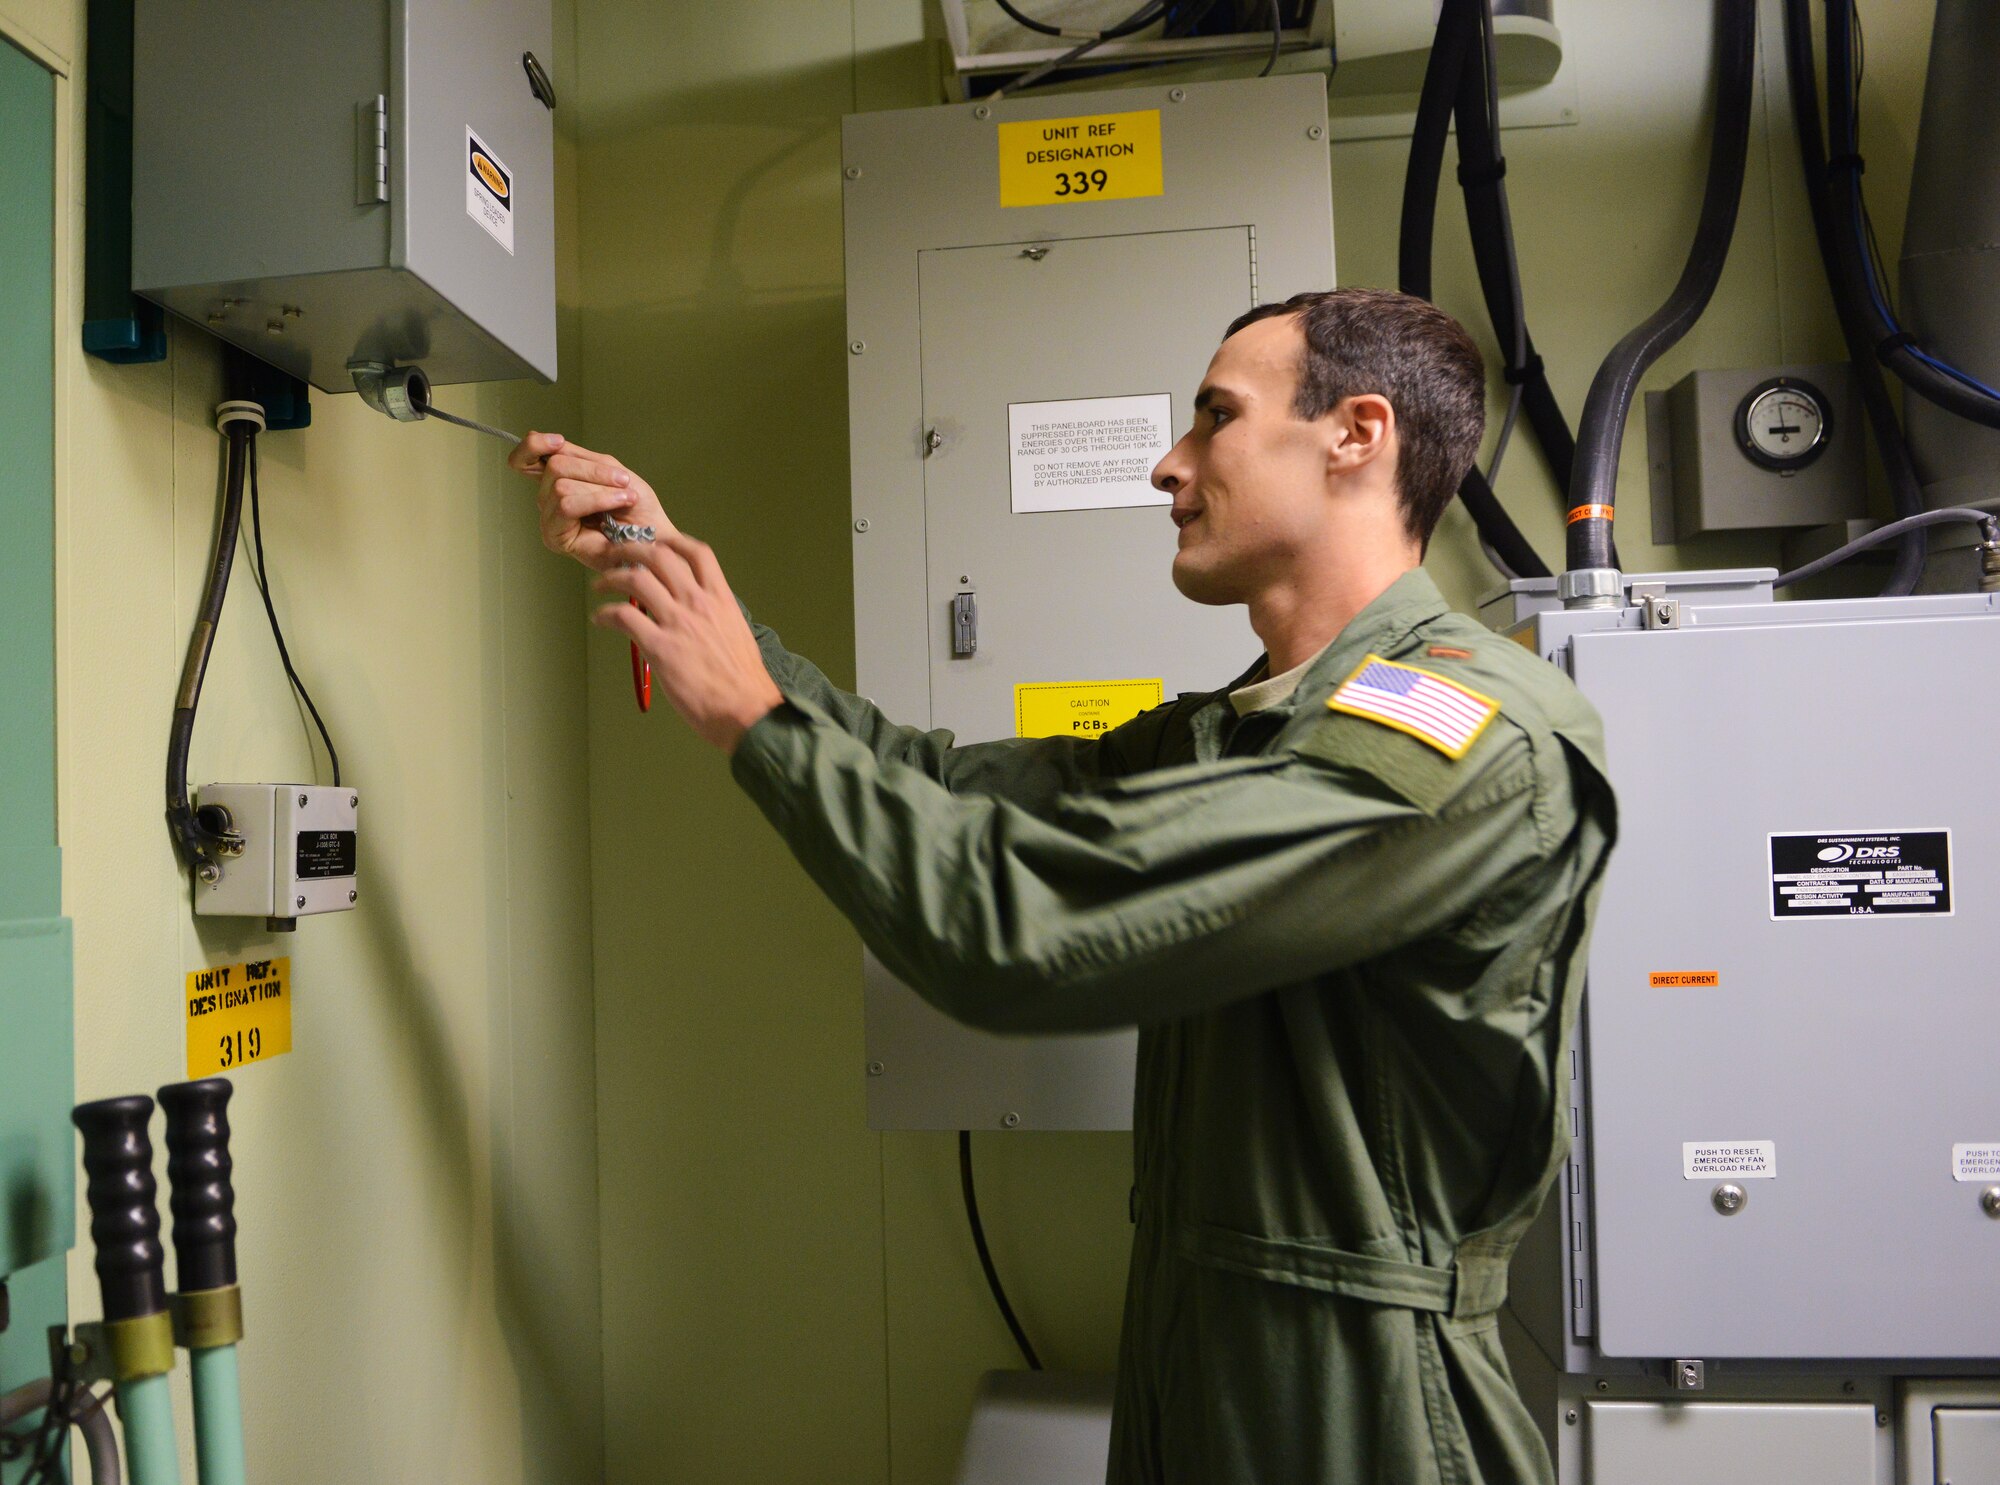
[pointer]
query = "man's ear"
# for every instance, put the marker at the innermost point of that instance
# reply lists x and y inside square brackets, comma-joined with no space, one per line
[1364,428]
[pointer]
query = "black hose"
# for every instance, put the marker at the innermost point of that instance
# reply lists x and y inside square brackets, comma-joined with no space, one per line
[1594,484]
[1482,175]
[195,844]
[985,1255]
[1124,28]
[1841,174]
[1448,61]
[1905,492]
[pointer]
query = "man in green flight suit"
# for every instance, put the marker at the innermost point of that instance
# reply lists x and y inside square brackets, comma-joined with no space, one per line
[1344,899]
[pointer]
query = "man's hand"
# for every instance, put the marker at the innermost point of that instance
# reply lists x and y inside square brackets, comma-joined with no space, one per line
[702,651]
[577,486]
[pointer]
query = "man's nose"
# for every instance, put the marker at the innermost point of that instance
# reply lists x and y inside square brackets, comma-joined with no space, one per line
[1171,472]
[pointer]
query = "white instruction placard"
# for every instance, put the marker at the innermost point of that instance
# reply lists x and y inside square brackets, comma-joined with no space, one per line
[1729,1160]
[1975,1162]
[1088,453]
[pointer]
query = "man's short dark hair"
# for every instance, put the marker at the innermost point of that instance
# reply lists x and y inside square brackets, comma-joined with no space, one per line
[1407,350]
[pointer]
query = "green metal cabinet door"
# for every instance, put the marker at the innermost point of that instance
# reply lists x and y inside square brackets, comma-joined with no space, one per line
[37,1187]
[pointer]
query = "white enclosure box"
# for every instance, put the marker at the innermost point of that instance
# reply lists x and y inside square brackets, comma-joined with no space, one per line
[1034,289]
[298,855]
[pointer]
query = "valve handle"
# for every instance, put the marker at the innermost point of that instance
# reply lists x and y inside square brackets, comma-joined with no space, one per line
[198,1165]
[124,1220]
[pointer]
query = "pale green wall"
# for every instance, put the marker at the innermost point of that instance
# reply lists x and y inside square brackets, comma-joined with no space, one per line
[416,1180]
[787,1297]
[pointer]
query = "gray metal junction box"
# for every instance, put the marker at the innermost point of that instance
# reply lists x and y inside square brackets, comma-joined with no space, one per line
[349,180]
[1788,1123]
[1034,289]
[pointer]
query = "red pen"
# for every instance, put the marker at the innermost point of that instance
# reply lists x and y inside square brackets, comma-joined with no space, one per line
[642,670]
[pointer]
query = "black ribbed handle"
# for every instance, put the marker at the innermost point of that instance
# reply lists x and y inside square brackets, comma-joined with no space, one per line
[124,1222]
[198,1165]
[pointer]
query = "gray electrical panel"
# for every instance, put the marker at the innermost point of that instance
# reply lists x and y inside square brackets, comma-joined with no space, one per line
[350,180]
[1787,1164]
[1034,289]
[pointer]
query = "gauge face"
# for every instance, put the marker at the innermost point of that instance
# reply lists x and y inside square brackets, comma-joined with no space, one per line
[1783,424]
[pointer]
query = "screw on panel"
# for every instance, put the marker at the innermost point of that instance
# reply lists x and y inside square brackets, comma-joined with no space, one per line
[1011,1121]
[874,1069]
[302,902]
[861,525]
[982,112]
[1882,1421]
[1603,1386]
[1035,254]
[352,896]
[302,801]
[293,312]
[1570,1416]
[852,172]
[1989,1201]
[1177,95]
[354,801]
[274,327]
[1315,132]
[856,347]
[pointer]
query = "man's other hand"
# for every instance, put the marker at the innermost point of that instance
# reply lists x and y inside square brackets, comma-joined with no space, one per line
[577,486]
[689,626]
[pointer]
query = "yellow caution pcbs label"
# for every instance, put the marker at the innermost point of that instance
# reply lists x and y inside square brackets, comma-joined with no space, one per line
[1093,157]
[1081,708]
[238,1013]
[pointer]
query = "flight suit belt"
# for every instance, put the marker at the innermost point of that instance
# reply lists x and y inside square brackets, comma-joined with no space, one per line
[1473,1286]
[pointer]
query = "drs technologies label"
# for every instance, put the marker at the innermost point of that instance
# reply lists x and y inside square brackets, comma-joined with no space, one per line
[1872,873]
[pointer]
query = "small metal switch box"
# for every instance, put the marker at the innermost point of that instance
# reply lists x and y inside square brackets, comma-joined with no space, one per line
[291,854]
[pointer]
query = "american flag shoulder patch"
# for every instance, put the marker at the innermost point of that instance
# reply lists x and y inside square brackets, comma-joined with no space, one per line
[1428,707]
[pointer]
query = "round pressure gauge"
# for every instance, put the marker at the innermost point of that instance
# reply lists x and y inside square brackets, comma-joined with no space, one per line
[1783,424]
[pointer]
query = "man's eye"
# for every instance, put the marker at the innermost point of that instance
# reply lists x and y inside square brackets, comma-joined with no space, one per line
[1217,416]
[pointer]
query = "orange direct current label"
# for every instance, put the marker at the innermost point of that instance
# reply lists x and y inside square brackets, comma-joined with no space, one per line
[1590,513]
[1675,979]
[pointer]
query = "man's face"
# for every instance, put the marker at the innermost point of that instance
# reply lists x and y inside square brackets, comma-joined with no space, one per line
[1249,479]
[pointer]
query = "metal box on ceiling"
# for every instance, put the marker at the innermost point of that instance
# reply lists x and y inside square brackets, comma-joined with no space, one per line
[1014,372]
[350,180]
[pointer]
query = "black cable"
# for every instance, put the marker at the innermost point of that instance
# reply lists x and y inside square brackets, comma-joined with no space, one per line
[1905,491]
[1987,521]
[1124,28]
[46,1468]
[985,1256]
[260,571]
[1601,430]
[1277,37]
[195,844]
[1448,59]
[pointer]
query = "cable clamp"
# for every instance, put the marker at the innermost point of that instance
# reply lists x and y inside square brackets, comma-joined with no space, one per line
[1529,370]
[1476,174]
[241,410]
[1886,347]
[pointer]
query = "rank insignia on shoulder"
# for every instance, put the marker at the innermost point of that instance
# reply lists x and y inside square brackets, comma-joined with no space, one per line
[1428,707]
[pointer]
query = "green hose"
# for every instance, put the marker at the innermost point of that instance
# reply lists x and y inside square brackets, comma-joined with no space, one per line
[145,1408]
[218,1416]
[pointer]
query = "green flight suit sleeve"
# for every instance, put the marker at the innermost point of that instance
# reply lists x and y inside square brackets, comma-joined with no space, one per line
[1032,772]
[1154,897]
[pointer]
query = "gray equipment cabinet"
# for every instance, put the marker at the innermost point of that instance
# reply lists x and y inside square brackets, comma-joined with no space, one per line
[1779,1232]
[350,180]
[1015,371]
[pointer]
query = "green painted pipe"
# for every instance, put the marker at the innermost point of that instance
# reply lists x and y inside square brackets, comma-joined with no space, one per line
[218,1416]
[145,1408]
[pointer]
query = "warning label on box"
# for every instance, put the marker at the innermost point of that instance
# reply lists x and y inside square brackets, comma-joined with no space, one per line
[489,191]
[1735,1160]
[1872,873]
[1088,453]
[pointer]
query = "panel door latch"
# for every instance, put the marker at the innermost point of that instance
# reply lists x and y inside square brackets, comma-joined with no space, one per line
[964,625]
